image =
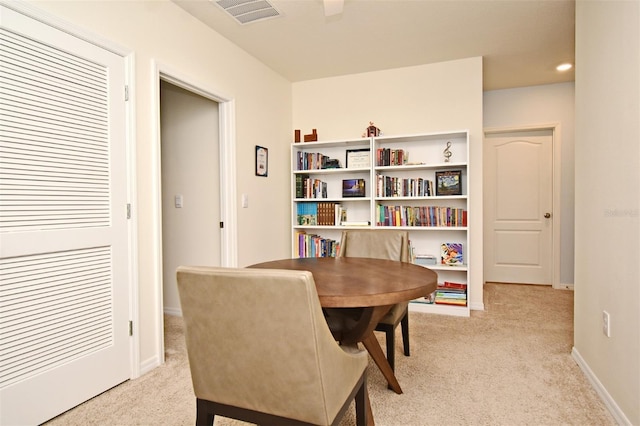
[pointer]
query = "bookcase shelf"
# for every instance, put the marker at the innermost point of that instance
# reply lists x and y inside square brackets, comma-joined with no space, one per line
[461,268]
[431,197]
[364,171]
[422,158]
[434,166]
[310,200]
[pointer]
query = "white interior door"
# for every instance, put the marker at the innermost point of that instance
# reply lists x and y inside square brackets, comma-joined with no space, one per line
[64,257]
[518,170]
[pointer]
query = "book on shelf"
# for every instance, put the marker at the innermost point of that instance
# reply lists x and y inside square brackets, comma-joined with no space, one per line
[450,302]
[323,213]
[307,213]
[300,185]
[453,286]
[391,157]
[420,216]
[328,210]
[451,293]
[452,254]
[315,161]
[307,187]
[312,245]
[340,214]
[389,186]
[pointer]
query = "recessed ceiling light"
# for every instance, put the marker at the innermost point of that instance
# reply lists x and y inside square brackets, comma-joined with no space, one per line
[564,67]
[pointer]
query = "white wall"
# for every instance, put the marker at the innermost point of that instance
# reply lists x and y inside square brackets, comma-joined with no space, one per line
[607,195]
[159,31]
[429,98]
[536,105]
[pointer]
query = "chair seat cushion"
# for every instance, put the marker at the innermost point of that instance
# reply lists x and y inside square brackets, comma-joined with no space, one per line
[396,313]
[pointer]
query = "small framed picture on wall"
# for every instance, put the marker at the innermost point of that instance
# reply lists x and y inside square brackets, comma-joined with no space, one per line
[262,161]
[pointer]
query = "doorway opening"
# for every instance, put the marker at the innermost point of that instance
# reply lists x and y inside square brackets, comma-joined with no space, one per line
[194,186]
[190,182]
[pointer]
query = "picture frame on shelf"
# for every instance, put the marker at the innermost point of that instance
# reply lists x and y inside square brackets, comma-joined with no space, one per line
[452,254]
[449,182]
[262,161]
[358,158]
[353,188]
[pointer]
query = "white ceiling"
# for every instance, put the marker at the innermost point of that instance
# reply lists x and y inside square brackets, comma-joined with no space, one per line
[521,41]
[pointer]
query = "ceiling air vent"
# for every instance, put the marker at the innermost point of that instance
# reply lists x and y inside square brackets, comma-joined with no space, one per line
[247,11]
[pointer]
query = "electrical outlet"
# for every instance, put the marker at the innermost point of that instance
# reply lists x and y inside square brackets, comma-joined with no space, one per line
[606,324]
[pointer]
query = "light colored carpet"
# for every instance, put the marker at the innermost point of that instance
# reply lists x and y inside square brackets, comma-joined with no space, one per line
[508,365]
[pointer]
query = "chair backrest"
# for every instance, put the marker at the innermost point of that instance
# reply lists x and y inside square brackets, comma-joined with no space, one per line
[378,244]
[257,339]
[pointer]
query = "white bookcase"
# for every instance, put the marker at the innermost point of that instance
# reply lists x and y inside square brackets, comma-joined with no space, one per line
[423,157]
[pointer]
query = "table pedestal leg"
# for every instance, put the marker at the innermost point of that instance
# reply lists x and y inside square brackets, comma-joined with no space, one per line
[373,347]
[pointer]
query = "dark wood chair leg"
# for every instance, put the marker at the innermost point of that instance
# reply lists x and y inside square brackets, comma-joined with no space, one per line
[363,406]
[405,333]
[391,344]
[204,416]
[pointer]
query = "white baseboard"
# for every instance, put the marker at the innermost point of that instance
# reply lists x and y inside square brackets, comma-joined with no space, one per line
[155,361]
[476,306]
[148,365]
[563,286]
[609,402]
[174,312]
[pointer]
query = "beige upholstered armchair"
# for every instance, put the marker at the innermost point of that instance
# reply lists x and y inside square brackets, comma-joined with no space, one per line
[382,244]
[260,350]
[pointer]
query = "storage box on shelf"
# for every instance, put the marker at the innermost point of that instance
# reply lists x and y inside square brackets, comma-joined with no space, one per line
[417,182]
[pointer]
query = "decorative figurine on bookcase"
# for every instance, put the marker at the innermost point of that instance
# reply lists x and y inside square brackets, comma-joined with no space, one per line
[313,137]
[371,131]
[447,152]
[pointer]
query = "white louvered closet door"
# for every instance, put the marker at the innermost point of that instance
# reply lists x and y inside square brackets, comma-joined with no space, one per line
[64,252]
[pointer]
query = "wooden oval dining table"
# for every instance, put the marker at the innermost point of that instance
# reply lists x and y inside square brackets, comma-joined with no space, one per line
[364,289]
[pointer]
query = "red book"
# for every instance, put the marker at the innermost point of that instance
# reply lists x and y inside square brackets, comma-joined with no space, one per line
[449,284]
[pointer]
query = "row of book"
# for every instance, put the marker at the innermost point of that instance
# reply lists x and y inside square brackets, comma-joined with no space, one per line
[311,245]
[391,157]
[388,186]
[420,216]
[321,214]
[315,161]
[451,293]
[307,187]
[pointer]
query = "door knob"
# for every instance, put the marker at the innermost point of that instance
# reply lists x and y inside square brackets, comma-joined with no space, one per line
[547,215]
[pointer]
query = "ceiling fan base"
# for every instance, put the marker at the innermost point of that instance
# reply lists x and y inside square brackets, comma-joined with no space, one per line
[333,7]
